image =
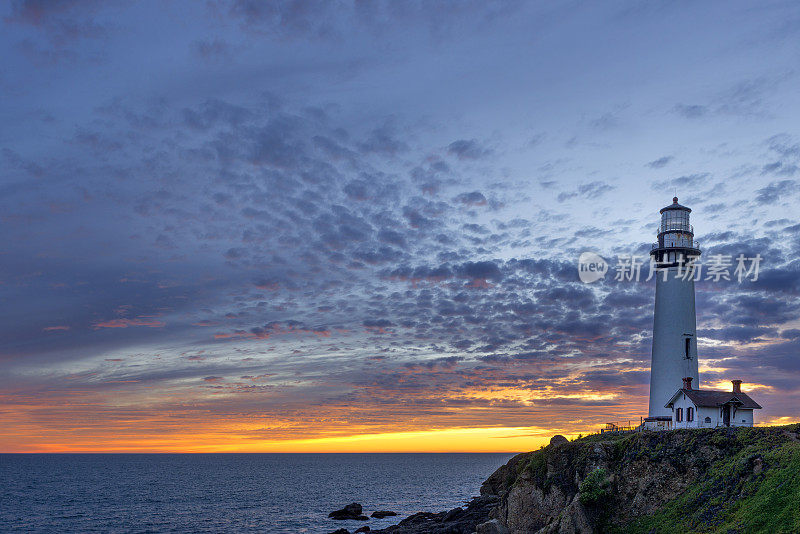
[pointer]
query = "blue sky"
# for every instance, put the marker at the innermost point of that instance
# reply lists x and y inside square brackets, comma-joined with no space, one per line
[333,218]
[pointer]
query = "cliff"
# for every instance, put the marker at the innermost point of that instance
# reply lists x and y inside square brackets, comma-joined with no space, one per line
[740,480]
[724,480]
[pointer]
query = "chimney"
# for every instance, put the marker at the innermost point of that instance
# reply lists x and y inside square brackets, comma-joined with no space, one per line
[687,382]
[737,386]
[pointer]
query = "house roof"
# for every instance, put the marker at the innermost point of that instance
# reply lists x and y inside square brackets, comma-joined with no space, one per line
[704,397]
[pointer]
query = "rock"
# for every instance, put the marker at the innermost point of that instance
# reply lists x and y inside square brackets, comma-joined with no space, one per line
[365,528]
[501,480]
[380,514]
[421,518]
[453,514]
[491,527]
[341,531]
[456,521]
[351,511]
[540,492]
[558,439]
[758,466]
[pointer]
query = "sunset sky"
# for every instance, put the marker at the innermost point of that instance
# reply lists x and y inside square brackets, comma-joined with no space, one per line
[354,226]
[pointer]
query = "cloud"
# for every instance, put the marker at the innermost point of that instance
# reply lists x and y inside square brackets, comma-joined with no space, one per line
[743,98]
[606,121]
[779,168]
[301,214]
[468,149]
[473,198]
[315,19]
[589,190]
[211,50]
[383,140]
[448,362]
[125,323]
[775,191]
[791,333]
[691,111]
[59,27]
[784,145]
[660,163]
[480,270]
[685,182]
[741,334]
[332,23]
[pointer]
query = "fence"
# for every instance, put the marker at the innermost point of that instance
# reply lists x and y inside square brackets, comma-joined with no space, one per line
[617,426]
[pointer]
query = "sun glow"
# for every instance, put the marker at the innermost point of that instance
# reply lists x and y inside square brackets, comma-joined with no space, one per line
[493,439]
[725,385]
[525,396]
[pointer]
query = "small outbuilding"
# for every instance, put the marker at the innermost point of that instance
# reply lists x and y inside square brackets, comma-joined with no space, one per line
[699,408]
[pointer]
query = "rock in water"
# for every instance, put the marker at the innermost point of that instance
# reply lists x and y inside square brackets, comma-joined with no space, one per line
[341,531]
[380,514]
[351,511]
[456,521]
[365,528]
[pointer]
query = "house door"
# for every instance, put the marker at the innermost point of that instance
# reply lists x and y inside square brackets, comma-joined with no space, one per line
[726,415]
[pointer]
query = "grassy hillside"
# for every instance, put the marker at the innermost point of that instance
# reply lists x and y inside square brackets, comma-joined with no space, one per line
[755,489]
[717,481]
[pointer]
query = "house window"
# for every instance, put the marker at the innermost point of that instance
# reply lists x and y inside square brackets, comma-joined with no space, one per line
[678,415]
[708,419]
[690,414]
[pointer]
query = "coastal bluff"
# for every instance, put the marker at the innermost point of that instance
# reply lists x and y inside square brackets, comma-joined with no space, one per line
[703,480]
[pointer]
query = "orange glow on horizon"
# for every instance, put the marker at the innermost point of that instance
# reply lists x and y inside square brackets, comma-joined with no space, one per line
[495,439]
[247,414]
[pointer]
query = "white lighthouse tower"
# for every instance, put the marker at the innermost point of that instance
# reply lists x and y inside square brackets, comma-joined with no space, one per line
[674,325]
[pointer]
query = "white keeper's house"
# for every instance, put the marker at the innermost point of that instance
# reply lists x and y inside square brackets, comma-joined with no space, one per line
[673,366]
[696,408]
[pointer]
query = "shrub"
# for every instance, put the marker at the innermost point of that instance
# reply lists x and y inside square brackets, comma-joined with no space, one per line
[537,466]
[594,487]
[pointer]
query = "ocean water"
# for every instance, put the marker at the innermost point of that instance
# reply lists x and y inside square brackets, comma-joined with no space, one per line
[279,493]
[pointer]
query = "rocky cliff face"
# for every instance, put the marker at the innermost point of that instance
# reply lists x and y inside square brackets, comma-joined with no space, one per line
[723,481]
[695,479]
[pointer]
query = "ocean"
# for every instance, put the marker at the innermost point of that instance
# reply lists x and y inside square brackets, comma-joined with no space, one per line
[281,493]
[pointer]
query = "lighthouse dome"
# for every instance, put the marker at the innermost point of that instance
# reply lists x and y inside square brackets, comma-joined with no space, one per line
[675,206]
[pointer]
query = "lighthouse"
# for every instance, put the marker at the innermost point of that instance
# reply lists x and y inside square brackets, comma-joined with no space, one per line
[674,356]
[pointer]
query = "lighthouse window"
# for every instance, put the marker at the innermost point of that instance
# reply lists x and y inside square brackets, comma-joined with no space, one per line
[689,414]
[686,345]
[674,220]
[678,415]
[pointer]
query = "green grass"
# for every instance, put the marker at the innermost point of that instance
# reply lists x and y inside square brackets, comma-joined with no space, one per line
[756,490]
